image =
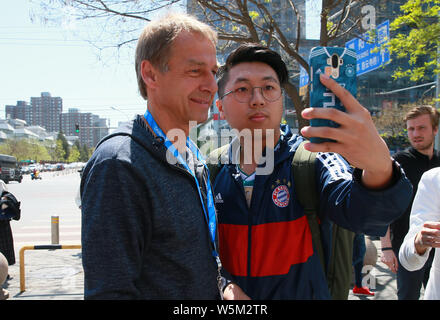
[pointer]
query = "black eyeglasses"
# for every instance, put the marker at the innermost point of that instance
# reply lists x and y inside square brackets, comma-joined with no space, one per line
[244,94]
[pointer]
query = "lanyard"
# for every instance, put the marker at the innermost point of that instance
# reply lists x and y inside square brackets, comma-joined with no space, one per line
[210,214]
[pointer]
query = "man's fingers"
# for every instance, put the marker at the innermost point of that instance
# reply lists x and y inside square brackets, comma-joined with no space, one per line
[348,101]
[430,230]
[325,132]
[324,147]
[333,114]
[432,225]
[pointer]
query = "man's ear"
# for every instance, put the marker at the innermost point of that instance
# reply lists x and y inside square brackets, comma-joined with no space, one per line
[219,105]
[149,74]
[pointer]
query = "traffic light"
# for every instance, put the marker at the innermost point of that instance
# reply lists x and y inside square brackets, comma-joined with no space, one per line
[77,128]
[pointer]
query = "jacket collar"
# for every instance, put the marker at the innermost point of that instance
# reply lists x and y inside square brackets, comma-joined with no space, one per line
[138,130]
[419,155]
[287,144]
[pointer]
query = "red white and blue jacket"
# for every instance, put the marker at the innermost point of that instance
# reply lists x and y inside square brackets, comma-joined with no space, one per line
[267,248]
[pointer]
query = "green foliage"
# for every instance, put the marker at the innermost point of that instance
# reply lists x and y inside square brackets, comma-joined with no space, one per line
[25,149]
[254,15]
[74,155]
[59,151]
[396,142]
[417,38]
[85,153]
[65,147]
[39,151]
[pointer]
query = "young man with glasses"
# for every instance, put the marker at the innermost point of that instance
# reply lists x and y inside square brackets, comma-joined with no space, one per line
[264,237]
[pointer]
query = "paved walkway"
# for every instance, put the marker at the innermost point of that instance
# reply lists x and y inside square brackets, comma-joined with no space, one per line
[49,275]
[58,275]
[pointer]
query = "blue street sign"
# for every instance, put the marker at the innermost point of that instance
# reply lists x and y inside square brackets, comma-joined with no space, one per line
[303,80]
[303,77]
[371,56]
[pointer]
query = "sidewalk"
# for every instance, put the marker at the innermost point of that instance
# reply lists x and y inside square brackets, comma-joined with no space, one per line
[58,275]
[49,275]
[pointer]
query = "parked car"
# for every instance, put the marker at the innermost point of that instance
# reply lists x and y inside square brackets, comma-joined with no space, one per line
[9,169]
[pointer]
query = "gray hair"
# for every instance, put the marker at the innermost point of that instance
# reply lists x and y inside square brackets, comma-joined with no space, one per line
[155,41]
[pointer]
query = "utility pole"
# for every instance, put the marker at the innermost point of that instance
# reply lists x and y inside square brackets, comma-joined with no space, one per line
[437,92]
[437,103]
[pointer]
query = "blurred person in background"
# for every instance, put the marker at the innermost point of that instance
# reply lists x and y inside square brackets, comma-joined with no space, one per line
[422,126]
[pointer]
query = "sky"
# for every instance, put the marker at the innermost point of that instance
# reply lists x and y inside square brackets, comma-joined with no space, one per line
[37,57]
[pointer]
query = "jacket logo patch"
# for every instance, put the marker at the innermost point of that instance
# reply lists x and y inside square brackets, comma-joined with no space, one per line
[281,196]
[218,198]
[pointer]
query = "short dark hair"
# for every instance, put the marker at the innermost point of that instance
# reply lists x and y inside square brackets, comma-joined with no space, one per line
[251,52]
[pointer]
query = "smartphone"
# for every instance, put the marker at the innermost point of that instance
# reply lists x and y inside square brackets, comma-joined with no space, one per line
[339,64]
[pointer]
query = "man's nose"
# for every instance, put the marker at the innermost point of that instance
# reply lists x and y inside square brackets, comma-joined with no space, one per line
[257,98]
[210,83]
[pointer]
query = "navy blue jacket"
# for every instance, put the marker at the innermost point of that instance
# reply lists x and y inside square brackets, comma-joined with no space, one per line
[267,248]
[144,234]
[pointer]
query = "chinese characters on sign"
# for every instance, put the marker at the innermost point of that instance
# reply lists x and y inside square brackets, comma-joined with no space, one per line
[370,55]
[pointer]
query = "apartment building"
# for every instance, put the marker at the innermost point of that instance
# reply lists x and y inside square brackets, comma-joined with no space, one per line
[46,111]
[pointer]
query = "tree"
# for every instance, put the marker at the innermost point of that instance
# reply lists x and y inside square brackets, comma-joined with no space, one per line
[269,22]
[417,39]
[392,127]
[85,153]
[261,21]
[38,152]
[59,152]
[15,147]
[24,149]
[115,23]
[74,155]
[64,145]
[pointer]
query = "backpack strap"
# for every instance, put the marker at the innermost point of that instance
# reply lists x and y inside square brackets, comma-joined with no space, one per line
[339,271]
[214,163]
[303,166]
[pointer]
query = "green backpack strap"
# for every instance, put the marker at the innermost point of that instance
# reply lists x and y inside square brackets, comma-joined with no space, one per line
[303,166]
[339,270]
[339,267]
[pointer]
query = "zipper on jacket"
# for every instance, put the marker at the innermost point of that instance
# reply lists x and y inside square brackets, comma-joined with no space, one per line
[239,184]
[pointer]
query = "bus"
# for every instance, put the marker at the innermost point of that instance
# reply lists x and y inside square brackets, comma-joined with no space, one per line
[9,169]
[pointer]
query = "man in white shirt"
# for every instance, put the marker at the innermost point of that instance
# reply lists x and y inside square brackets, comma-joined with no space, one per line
[424,232]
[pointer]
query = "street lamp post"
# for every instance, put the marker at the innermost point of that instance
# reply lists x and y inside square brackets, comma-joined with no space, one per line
[437,90]
[437,93]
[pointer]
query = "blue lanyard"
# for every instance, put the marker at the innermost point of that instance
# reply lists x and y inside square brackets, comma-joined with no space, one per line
[210,215]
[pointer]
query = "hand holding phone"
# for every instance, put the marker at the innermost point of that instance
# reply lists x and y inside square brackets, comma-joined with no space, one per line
[357,139]
[340,65]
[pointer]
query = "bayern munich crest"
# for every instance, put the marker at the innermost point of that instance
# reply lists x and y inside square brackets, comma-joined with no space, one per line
[281,196]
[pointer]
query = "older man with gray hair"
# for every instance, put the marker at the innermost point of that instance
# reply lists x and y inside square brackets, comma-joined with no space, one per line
[148,216]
